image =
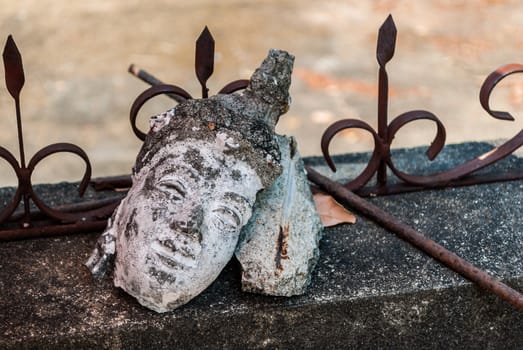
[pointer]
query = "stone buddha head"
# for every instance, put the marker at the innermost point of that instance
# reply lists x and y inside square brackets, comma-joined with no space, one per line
[195,183]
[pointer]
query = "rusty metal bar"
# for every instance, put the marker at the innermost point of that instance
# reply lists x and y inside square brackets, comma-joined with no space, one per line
[151,80]
[52,229]
[471,180]
[407,233]
[87,206]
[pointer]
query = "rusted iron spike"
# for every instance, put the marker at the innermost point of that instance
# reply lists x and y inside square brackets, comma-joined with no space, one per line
[112,183]
[407,233]
[384,53]
[14,80]
[204,60]
[386,41]
[381,156]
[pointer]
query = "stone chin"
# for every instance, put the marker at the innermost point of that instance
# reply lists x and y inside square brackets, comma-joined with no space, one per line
[162,280]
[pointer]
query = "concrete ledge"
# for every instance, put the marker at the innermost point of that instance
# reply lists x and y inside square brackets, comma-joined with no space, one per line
[370,289]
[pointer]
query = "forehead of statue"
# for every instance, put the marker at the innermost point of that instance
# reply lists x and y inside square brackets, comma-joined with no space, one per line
[196,162]
[183,153]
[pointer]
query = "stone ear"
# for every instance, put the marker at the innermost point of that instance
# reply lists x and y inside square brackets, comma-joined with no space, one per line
[101,260]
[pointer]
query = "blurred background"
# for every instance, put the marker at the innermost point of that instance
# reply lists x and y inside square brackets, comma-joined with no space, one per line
[78,90]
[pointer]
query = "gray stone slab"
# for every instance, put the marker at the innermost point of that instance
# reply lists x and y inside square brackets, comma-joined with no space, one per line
[369,289]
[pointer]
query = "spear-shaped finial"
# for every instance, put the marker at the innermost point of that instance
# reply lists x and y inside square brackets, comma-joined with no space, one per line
[384,52]
[14,80]
[204,61]
[386,41]
[14,70]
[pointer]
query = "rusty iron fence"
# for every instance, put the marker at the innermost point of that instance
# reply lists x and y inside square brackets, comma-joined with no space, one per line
[26,215]
[381,158]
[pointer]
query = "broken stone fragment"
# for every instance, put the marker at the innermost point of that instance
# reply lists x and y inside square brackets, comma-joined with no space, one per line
[279,246]
[195,183]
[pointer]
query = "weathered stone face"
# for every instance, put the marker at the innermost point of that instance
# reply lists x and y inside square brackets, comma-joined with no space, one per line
[195,182]
[180,222]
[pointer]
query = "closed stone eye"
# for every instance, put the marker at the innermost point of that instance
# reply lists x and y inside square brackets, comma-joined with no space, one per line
[174,189]
[226,219]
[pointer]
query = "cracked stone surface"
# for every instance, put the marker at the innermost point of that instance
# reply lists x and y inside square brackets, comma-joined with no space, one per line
[279,246]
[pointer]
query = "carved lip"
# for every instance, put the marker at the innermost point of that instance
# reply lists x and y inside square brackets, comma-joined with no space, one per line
[174,255]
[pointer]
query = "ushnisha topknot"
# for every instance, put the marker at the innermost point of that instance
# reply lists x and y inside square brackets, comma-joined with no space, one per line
[248,119]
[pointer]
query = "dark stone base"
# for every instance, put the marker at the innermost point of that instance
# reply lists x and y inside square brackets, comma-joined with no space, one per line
[370,289]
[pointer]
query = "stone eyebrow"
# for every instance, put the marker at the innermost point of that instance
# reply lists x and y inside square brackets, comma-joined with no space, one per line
[170,169]
[237,197]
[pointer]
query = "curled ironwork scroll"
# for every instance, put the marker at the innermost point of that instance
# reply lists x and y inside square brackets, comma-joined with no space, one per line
[381,156]
[204,67]
[87,218]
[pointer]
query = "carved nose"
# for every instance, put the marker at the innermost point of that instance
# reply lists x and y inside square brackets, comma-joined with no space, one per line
[181,226]
[191,226]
